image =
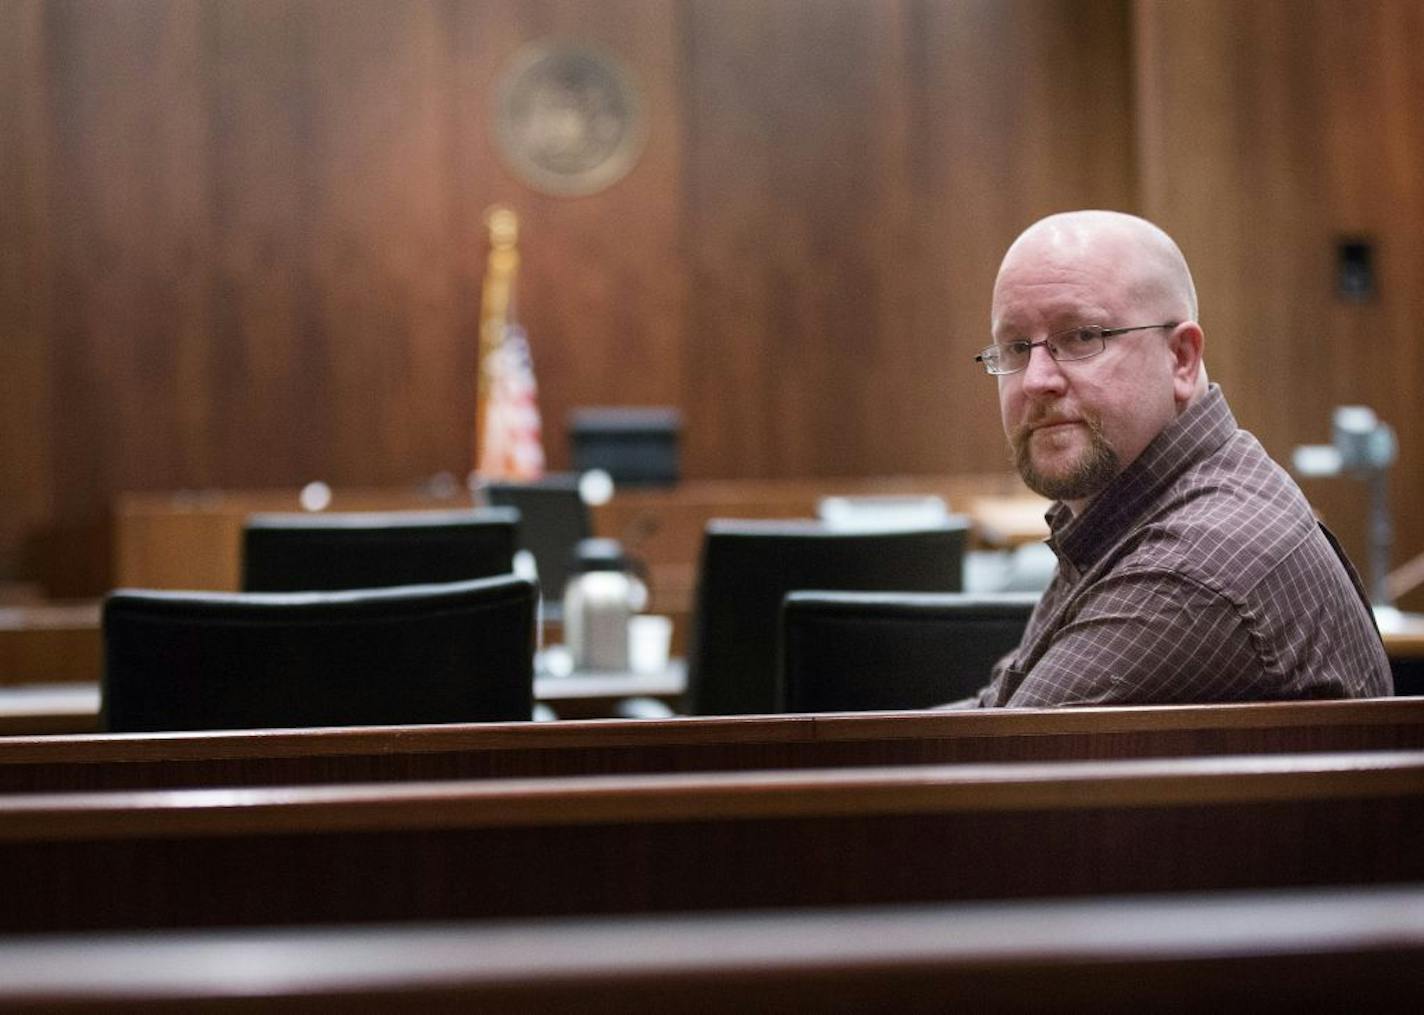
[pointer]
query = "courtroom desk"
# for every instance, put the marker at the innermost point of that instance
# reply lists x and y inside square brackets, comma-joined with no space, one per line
[46,709]
[1008,522]
[50,643]
[1404,642]
[63,643]
[1328,949]
[664,527]
[193,539]
[736,743]
[1403,635]
[596,695]
[650,843]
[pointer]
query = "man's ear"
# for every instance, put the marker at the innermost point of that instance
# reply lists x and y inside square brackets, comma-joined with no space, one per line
[1185,346]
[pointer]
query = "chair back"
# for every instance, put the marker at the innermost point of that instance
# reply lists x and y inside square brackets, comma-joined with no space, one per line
[855,651]
[747,567]
[553,518]
[371,549]
[635,445]
[457,652]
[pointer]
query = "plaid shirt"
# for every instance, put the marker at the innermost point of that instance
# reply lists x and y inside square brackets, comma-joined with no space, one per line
[1199,574]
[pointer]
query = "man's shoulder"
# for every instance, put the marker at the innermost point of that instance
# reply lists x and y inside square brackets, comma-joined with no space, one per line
[1227,523]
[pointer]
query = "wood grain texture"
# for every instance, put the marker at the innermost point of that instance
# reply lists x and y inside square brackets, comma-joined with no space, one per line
[25,460]
[602,278]
[1269,132]
[1105,955]
[854,172]
[241,240]
[680,842]
[254,758]
[263,222]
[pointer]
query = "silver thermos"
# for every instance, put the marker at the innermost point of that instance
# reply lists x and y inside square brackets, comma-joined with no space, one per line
[602,594]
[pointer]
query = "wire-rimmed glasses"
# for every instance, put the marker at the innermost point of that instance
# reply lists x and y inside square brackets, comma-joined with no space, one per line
[1083,342]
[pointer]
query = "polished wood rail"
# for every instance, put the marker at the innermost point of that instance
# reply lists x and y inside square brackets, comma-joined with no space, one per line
[1204,951]
[646,843]
[258,757]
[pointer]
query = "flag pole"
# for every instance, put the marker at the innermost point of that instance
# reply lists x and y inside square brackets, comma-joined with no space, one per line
[495,302]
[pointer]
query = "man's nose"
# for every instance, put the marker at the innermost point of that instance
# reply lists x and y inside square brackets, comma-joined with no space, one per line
[1043,375]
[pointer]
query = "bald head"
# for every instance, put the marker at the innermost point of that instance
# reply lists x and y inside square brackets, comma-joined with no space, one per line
[1127,249]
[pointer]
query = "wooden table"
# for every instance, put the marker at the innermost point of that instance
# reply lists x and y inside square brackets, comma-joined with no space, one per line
[33,709]
[49,708]
[193,539]
[1404,635]
[1008,522]
[52,643]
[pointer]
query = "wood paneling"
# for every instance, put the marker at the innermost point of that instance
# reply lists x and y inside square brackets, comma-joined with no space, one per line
[1269,131]
[854,172]
[25,493]
[130,222]
[263,223]
[241,241]
[269,341]
[602,285]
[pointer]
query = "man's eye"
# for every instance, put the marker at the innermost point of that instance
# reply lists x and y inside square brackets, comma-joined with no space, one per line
[1019,348]
[1083,336]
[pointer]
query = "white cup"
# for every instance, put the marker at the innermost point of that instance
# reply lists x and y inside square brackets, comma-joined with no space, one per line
[649,640]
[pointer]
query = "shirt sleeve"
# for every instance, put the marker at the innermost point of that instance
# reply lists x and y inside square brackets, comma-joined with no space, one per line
[984,697]
[1145,637]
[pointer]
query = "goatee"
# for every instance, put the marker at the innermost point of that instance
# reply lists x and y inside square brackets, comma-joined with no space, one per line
[1094,469]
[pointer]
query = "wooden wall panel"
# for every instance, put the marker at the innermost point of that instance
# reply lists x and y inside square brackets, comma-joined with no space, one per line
[1270,131]
[270,425]
[382,262]
[263,221]
[241,240]
[602,277]
[25,502]
[129,214]
[1021,109]
[854,172]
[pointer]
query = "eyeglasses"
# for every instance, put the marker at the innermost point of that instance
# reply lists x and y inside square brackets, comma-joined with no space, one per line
[1073,344]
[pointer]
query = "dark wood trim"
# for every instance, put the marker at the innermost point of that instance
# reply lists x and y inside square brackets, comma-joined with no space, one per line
[495,750]
[718,841]
[1119,954]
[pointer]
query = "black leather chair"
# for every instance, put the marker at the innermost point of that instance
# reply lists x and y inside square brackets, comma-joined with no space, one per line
[456,652]
[747,567]
[553,518]
[371,549]
[851,651]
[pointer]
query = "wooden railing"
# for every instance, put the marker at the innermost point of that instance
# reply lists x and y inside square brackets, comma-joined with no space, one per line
[495,750]
[1310,950]
[649,843]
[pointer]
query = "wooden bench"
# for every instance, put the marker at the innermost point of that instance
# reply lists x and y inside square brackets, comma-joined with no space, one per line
[258,757]
[1309,950]
[648,843]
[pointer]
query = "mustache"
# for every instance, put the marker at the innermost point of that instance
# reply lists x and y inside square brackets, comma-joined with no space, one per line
[1044,415]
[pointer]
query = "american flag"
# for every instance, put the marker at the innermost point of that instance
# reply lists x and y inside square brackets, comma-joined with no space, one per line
[512,447]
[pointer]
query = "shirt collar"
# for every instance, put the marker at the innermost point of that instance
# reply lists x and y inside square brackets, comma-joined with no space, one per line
[1196,433]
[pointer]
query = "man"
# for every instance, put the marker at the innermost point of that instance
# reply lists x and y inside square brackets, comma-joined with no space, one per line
[1190,567]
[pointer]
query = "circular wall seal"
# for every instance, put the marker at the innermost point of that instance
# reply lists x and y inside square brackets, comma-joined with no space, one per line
[569,118]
